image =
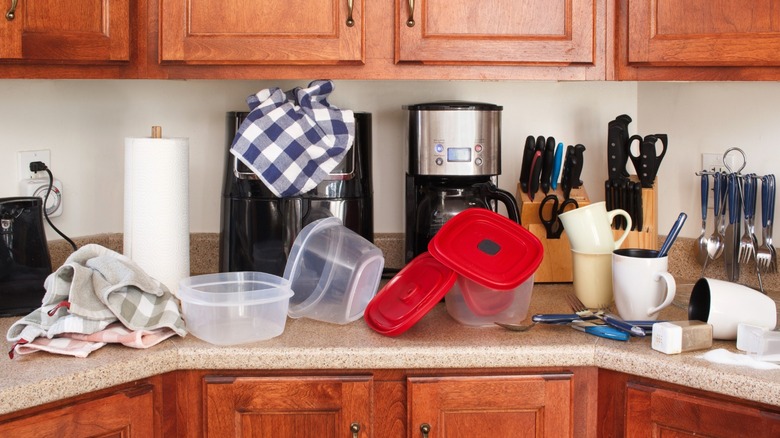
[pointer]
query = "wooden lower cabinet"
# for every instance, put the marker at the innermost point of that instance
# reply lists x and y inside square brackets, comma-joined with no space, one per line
[630,406]
[536,405]
[386,403]
[127,413]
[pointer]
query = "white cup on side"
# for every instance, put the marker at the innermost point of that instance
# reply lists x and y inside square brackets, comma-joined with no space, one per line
[589,228]
[724,305]
[641,283]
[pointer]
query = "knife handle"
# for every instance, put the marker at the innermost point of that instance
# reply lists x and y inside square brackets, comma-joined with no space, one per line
[618,323]
[733,206]
[525,167]
[705,192]
[602,331]
[557,166]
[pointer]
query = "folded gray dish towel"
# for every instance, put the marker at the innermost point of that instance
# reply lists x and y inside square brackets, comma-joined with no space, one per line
[94,288]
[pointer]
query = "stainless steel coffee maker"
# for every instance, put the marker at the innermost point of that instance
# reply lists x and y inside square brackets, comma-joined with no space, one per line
[454,158]
[24,255]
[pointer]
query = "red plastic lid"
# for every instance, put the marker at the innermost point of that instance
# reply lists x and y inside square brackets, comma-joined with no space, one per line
[409,295]
[487,248]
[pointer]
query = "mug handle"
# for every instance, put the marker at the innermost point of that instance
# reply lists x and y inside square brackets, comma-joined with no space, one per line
[671,289]
[611,215]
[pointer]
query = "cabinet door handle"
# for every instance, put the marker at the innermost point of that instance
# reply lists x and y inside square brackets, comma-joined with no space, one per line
[350,21]
[11,14]
[410,20]
[355,429]
[425,428]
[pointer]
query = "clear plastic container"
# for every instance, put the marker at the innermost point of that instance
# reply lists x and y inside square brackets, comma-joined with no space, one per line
[235,307]
[471,303]
[334,272]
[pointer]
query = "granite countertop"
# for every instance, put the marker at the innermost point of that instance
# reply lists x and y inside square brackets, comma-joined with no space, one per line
[437,341]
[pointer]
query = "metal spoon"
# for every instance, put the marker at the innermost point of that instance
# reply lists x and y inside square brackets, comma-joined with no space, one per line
[716,242]
[516,327]
[703,242]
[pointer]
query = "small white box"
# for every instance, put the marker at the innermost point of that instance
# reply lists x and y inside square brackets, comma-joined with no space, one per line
[681,336]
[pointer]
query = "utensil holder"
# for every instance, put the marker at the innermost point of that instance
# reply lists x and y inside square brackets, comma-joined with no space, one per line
[556,266]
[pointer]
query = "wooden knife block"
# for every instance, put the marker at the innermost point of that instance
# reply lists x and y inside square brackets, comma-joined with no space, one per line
[556,266]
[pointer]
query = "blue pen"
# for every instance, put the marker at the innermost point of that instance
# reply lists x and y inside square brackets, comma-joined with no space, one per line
[556,166]
[602,331]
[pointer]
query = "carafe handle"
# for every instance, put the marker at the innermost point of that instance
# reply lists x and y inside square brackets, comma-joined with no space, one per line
[490,191]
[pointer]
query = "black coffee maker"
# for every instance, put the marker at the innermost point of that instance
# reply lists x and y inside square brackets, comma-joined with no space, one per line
[454,157]
[258,228]
[24,255]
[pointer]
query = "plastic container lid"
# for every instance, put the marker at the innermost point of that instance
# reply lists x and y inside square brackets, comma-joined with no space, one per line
[487,248]
[409,295]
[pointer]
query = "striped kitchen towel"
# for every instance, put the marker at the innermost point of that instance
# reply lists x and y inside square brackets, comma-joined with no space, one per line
[293,140]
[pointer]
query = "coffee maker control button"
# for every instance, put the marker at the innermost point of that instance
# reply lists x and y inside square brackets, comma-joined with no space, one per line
[478,161]
[439,161]
[439,148]
[478,148]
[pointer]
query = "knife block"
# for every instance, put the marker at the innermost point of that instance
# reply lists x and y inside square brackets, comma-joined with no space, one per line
[556,266]
[556,262]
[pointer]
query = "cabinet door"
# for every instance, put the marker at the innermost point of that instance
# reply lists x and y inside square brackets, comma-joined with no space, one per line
[491,406]
[317,407]
[262,32]
[510,32]
[73,31]
[704,32]
[125,414]
[655,412]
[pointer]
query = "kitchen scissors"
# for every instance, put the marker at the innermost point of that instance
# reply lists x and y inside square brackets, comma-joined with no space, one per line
[552,223]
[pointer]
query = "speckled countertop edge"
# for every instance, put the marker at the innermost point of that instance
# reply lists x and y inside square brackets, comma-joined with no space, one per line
[436,341]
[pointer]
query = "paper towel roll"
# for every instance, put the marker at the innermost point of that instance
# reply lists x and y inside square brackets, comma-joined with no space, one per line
[157,225]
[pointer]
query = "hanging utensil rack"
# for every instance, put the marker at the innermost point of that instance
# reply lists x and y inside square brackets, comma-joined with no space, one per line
[734,235]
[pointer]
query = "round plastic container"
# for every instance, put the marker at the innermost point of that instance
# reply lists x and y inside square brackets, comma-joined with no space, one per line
[471,303]
[333,271]
[235,307]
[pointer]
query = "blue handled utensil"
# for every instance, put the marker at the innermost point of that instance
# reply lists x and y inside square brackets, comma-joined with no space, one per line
[556,166]
[673,233]
[602,331]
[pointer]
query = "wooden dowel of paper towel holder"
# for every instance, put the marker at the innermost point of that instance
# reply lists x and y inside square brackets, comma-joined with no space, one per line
[156,131]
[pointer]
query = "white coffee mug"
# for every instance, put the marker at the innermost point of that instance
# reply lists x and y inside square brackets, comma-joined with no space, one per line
[592,278]
[589,228]
[641,283]
[724,305]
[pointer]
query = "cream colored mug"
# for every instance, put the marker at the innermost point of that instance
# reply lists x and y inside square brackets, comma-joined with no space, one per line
[592,278]
[589,228]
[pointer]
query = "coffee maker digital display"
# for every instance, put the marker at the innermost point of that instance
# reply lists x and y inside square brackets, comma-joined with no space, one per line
[454,158]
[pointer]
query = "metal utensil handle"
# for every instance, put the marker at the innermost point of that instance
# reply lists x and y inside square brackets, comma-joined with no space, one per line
[410,20]
[11,14]
[350,21]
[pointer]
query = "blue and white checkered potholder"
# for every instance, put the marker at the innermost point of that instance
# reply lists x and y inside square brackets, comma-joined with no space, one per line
[293,140]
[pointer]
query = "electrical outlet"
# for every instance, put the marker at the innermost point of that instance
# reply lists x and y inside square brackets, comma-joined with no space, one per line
[27,157]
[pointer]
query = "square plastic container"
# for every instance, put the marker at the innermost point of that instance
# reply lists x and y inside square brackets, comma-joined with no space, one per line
[235,307]
[333,271]
[495,260]
[471,303]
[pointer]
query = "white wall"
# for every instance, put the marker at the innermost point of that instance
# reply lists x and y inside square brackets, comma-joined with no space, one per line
[84,124]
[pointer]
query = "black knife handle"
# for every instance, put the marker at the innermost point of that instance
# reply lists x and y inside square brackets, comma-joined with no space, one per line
[547,164]
[579,161]
[536,171]
[567,170]
[525,167]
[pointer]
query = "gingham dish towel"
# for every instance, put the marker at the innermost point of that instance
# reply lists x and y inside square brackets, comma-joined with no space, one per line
[293,140]
[94,288]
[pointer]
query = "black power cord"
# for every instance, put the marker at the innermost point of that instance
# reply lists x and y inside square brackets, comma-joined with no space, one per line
[37,166]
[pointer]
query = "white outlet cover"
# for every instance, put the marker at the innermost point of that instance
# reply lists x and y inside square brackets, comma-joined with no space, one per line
[27,157]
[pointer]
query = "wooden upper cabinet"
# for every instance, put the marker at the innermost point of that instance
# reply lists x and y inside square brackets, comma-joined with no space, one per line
[704,32]
[73,31]
[491,406]
[696,40]
[498,32]
[314,406]
[306,32]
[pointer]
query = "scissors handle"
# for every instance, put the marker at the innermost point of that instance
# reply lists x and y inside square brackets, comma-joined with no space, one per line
[552,223]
